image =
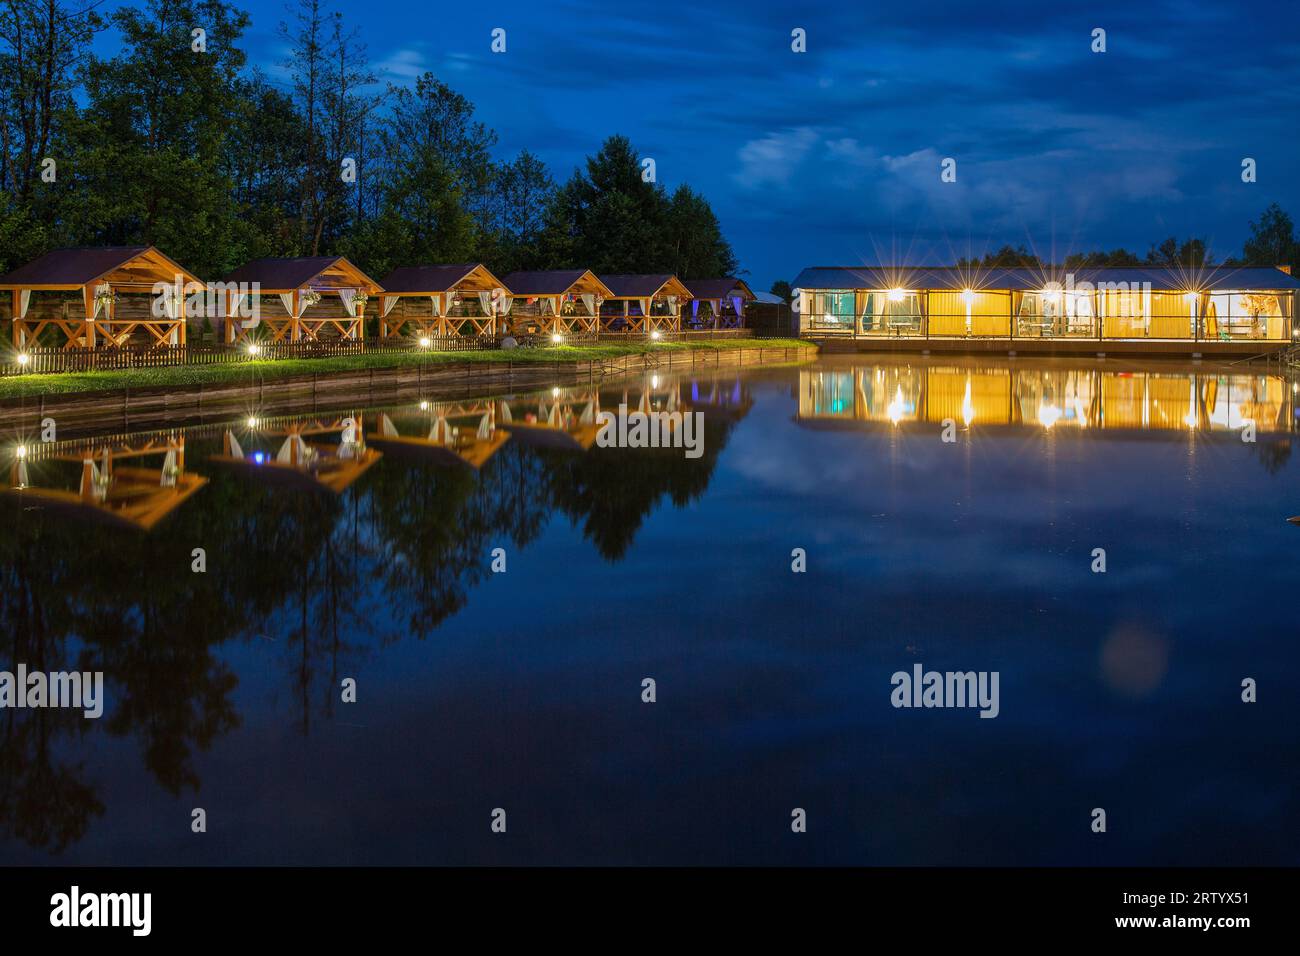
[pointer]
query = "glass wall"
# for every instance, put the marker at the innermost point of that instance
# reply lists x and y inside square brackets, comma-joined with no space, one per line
[1121,312]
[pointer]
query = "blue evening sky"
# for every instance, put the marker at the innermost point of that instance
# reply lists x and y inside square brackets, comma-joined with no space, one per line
[833,156]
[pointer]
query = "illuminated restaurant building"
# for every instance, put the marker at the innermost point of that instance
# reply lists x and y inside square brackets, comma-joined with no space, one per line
[1223,310]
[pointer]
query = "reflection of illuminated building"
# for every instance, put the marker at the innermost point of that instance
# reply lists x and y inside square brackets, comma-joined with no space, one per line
[1057,398]
[131,495]
[560,419]
[296,461]
[463,432]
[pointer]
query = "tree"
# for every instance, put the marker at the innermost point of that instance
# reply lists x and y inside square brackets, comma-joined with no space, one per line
[782,290]
[42,43]
[1272,239]
[524,191]
[1171,254]
[148,149]
[608,218]
[699,250]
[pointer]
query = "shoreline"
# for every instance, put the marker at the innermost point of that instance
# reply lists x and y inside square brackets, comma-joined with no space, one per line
[372,383]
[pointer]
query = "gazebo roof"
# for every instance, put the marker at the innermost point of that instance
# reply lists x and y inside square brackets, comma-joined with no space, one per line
[718,288]
[644,286]
[116,265]
[289,275]
[423,280]
[552,282]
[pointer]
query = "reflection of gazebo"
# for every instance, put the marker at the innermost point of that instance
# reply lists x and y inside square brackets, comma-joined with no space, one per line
[453,432]
[441,300]
[124,495]
[299,463]
[555,302]
[644,303]
[725,297]
[568,421]
[310,298]
[118,287]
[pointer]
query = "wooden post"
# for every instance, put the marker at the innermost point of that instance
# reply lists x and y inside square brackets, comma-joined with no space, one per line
[88,297]
[383,317]
[20,334]
[295,325]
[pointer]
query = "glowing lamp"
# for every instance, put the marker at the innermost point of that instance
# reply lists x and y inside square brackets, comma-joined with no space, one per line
[655,335]
[21,451]
[425,342]
[968,296]
[895,295]
[557,338]
[254,348]
[424,406]
[23,358]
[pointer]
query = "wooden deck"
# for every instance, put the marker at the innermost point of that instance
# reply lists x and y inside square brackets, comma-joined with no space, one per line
[1181,348]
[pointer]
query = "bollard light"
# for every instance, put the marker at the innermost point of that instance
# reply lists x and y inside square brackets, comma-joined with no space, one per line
[557,338]
[254,348]
[655,335]
[23,358]
[425,342]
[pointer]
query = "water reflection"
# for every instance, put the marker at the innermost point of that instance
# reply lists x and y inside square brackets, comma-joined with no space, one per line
[311,573]
[362,535]
[1029,395]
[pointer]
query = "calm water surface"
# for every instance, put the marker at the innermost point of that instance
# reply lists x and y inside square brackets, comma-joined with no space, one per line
[522,690]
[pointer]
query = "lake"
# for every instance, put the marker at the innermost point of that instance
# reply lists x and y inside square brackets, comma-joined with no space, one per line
[495,587]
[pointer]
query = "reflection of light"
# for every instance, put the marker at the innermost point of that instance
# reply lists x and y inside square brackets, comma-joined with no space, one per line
[252,423]
[1048,414]
[895,295]
[555,392]
[1191,419]
[21,451]
[967,406]
[654,381]
[424,406]
[896,406]
[258,458]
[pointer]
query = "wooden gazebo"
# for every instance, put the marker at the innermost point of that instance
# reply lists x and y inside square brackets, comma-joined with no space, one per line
[644,303]
[726,298]
[441,300]
[118,288]
[311,298]
[555,302]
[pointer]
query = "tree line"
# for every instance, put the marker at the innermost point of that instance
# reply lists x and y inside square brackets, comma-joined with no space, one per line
[175,141]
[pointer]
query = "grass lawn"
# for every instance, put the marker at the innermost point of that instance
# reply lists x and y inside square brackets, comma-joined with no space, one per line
[184,375]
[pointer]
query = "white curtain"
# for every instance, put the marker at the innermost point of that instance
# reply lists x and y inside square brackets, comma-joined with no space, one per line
[645,307]
[672,304]
[386,426]
[437,304]
[505,413]
[235,450]
[506,303]
[738,304]
[589,300]
[485,302]
[441,431]
[235,301]
[588,414]
[348,296]
[100,290]
[287,299]
[169,465]
[24,300]
[389,302]
[485,427]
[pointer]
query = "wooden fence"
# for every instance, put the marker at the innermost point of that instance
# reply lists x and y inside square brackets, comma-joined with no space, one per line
[53,360]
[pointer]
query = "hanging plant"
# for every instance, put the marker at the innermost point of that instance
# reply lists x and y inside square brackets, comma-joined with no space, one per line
[309,298]
[105,299]
[359,302]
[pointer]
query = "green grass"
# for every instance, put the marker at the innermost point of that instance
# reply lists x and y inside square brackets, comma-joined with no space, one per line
[183,376]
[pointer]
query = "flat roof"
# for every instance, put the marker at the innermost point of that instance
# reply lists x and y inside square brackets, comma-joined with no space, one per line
[1161,279]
